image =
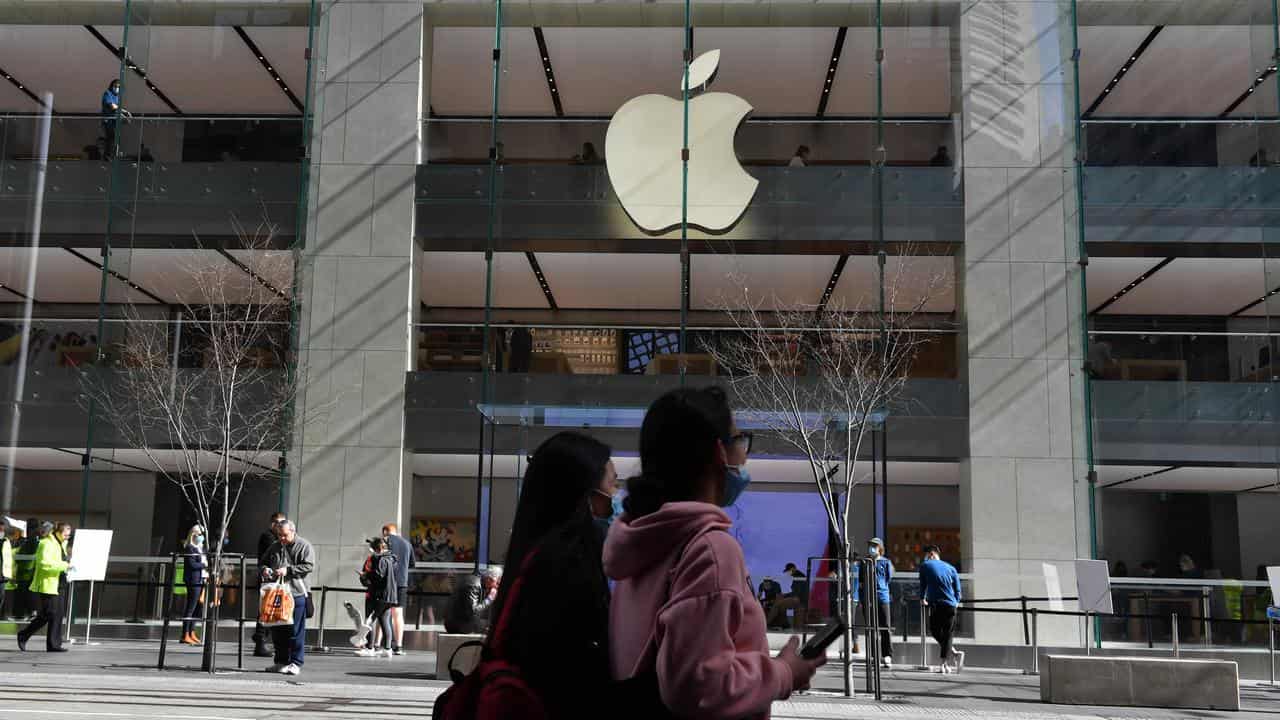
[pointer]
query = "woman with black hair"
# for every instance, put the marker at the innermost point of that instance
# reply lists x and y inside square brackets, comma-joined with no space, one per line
[683,616]
[556,632]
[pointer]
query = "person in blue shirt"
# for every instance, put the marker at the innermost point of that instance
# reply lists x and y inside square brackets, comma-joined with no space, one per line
[110,110]
[880,601]
[940,588]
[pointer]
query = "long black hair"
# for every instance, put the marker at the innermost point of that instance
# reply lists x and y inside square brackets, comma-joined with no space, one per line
[554,496]
[677,447]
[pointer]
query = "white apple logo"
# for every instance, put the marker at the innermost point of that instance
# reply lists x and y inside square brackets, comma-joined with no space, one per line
[642,152]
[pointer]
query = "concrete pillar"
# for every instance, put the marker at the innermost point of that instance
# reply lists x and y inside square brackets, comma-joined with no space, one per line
[1023,500]
[359,293]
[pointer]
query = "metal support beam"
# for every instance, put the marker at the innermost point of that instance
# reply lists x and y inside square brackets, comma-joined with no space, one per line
[137,69]
[266,64]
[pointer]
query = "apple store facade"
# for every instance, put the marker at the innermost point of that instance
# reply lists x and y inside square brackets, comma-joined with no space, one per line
[506,219]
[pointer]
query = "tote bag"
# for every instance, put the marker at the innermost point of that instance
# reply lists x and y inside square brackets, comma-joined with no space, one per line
[275,605]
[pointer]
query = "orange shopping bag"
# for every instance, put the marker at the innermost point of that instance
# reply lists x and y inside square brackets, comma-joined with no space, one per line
[276,605]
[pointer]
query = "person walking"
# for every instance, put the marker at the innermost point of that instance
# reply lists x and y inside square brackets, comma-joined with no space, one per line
[290,559]
[382,581]
[265,540]
[6,561]
[940,588]
[194,574]
[878,598]
[47,583]
[403,552]
[686,635]
[24,569]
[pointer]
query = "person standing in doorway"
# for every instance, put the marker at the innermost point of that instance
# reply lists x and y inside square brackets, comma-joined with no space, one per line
[195,570]
[47,582]
[940,588]
[403,552]
[290,559]
[265,540]
[877,599]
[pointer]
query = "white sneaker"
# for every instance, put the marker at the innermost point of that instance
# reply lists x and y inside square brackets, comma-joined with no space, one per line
[888,661]
[290,669]
[385,652]
[958,656]
[367,652]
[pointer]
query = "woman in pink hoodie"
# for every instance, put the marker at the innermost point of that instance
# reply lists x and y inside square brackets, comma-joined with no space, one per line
[683,616]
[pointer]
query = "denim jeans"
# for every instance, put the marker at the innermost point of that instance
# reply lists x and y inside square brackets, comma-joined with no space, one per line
[290,640]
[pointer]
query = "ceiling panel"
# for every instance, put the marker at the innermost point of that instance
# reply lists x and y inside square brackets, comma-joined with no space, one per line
[1104,49]
[462,73]
[65,60]
[1186,71]
[274,266]
[1107,275]
[61,276]
[779,71]
[124,460]
[917,72]
[178,275]
[286,49]
[795,281]
[599,69]
[457,279]
[916,278]
[210,70]
[1108,474]
[1204,479]
[614,281]
[137,96]
[12,99]
[1195,286]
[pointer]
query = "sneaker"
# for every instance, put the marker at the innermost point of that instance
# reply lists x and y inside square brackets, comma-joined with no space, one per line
[398,651]
[888,661]
[385,652]
[958,658]
[367,652]
[277,668]
[290,669]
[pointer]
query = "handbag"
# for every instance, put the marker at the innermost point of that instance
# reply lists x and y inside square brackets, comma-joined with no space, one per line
[311,607]
[275,606]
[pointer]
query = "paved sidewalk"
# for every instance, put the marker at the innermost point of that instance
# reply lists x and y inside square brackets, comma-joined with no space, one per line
[118,679]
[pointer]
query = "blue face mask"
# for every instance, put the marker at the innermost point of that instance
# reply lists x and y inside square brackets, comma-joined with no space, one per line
[615,506]
[199,538]
[736,480]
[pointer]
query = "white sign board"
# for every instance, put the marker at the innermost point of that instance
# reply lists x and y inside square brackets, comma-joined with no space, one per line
[1273,577]
[1093,586]
[89,551]
[1053,587]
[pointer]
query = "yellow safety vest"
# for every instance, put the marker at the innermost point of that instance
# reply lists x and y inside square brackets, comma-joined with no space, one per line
[179,578]
[49,565]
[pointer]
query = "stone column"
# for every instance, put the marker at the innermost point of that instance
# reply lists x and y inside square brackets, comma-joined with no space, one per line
[1023,488]
[359,291]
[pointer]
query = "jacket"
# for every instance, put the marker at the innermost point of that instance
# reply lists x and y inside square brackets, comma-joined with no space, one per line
[381,580]
[193,566]
[403,553]
[468,607]
[297,558]
[682,606]
[939,583]
[51,563]
[25,568]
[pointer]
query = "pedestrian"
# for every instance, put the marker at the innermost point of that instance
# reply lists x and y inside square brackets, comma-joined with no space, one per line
[801,158]
[265,540]
[24,601]
[469,605]
[403,551]
[877,597]
[383,583]
[370,647]
[6,560]
[195,571]
[48,580]
[290,559]
[111,112]
[685,632]
[555,627]
[940,588]
[797,598]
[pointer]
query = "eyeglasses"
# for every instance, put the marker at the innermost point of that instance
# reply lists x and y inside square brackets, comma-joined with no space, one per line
[743,440]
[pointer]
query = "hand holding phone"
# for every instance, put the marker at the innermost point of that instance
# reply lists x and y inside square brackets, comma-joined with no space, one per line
[819,643]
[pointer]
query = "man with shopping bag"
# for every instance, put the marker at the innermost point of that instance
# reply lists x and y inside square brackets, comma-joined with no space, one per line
[285,567]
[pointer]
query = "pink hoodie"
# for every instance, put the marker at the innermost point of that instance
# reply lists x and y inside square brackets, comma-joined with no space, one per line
[711,654]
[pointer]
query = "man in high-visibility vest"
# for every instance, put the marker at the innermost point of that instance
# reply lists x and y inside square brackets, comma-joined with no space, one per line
[6,560]
[47,583]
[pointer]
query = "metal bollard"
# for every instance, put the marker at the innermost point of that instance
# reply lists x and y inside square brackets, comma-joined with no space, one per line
[1177,649]
[1271,640]
[1026,633]
[1205,609]
[137,602]
[1035,642]
[240,618]
[1088,646]
[319,646]
[164,629]
[924,624]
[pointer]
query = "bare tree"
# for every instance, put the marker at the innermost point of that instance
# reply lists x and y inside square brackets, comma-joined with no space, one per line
[820,377]
[208,396]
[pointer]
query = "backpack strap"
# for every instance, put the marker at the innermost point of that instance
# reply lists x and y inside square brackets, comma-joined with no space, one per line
[456,675]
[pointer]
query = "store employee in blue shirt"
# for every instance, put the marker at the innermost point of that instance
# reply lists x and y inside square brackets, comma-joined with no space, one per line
[940,588]
[880,602]
[110,109]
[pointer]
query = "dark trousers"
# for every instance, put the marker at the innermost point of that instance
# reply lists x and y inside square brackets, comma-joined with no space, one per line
[886,628]
[385,611]
[190,613]
[50,613]
[942,627]
[109,139]
[290,640]
[23,600]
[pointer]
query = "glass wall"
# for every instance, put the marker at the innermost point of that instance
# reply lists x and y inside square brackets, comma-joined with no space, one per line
[168,190]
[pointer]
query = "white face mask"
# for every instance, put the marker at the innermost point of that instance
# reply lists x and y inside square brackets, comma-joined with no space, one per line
[873,551]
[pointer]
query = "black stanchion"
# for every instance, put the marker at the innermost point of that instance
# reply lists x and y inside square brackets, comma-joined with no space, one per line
[1026,630]
[240,623]
[168,606]
[137,601]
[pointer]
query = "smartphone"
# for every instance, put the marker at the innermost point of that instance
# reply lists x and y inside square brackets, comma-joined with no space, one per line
[819,643]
